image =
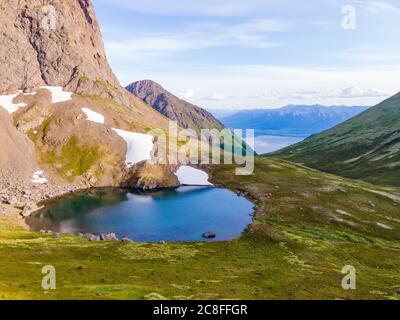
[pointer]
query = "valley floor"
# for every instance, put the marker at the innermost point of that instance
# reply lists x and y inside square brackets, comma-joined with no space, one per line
[308,226]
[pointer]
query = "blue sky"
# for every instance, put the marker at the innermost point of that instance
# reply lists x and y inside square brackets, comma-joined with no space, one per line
[257,53]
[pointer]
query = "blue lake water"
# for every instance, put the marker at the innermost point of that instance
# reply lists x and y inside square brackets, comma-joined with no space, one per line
[176,215]
[266,144]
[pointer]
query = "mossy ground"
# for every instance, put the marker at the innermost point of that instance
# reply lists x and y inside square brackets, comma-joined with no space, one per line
[77,160]
[73,159]
[307,226]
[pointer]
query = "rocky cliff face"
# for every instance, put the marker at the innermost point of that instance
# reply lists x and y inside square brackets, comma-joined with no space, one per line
[51,42]
[187,115]
[17,151]
[44,133]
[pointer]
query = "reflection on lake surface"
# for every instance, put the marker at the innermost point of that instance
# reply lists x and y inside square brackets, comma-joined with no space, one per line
[178,215]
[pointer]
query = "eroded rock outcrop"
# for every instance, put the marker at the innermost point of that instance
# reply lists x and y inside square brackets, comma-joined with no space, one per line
[51,42]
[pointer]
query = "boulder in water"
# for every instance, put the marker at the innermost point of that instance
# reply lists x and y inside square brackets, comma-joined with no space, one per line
[209,235]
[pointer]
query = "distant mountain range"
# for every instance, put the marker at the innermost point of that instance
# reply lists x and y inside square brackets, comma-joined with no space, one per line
[222,113]
[293,120]
[184,113]
[366,147]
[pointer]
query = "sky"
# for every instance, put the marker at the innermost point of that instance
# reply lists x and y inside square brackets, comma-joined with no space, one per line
[245,54]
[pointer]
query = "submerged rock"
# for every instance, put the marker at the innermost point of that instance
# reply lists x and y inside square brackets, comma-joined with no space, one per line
[56,236]
[209,235]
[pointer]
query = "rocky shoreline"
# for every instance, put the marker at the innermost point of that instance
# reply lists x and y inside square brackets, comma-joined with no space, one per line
[25,196]
[91,236]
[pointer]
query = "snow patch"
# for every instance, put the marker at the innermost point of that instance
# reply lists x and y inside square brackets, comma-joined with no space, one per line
[38,177]
[192,177]
[7,102]
[139,146]
[93,116]
[58,94]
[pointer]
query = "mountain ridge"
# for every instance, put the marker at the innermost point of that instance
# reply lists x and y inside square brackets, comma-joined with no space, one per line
[292,120]
[366,147]
[187,115]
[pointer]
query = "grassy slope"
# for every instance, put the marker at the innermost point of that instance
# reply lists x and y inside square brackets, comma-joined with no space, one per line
[365,147]
[295,248]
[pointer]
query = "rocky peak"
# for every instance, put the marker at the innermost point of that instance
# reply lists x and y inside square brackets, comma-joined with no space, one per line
[51,42]
[147,88]
[187,115]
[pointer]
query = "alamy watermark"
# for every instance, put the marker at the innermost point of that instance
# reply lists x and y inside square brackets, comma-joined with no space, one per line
[49,20]
[349,281]
[49,279]
[349,21]
[204,147]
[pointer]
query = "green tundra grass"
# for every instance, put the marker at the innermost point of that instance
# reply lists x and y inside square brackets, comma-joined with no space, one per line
[307,227]
[365,147]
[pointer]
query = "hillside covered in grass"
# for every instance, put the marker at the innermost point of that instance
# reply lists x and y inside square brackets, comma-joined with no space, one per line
[307,227]
[366,147]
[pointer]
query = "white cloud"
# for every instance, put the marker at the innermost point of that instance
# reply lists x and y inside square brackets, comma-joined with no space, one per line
[307,95]
[196,36]
[187,95]
[320,23]
[267,94]
[350,92]
[194,8]
[155,46]
[346,93]
[356,92]
[216,97]
[375,6]
[275,86]
[262,25]
[372,56]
